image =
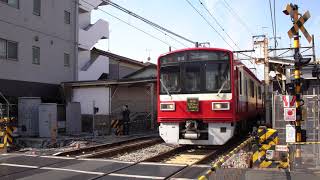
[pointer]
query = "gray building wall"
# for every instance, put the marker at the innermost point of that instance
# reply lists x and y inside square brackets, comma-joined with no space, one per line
[54,39]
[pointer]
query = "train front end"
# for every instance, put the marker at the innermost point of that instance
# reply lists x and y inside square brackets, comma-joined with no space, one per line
[195,101]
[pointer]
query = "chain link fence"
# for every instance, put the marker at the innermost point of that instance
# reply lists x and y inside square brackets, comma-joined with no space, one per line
[308,156]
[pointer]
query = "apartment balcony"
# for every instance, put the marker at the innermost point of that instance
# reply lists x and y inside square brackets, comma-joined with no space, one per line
[90,35]
[94,68]
[89,5]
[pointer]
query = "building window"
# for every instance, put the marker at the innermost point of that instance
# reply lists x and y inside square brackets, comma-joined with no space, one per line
[67,17]
[37,7]
[12,50]
[8,49]
[3,49]
[66,60]
[12,3]
[35,55]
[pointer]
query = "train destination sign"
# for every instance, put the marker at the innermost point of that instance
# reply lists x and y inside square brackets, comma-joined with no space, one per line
[193,104]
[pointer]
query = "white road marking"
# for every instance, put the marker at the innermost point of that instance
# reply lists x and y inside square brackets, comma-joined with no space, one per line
[107,160]
[136,176]
[17,154]
[181,179]
[30,155]
[18,165]
[201,165]
[73,170]
[57,157]
[162,164]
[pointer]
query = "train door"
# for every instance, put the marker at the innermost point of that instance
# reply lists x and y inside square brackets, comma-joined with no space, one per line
[240,91]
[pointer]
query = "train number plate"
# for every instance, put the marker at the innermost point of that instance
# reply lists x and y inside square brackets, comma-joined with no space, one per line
[193,104]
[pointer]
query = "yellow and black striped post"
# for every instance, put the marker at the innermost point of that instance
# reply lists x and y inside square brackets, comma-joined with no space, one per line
[117,126]
[292,10]
[6,131]
[267,140]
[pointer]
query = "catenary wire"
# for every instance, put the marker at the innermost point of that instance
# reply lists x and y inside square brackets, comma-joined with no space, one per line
[131,25]
[210,25]
[147,21]
[271,16]
[219,24]
[227,5]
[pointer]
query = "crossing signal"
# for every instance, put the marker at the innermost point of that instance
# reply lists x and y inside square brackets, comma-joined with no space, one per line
[292,10]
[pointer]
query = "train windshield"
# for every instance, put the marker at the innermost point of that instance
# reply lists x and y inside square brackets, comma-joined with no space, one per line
[170,79]
[195,72]
[217,77]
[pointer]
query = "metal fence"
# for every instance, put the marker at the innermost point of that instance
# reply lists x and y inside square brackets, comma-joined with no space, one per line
[310,116]
[309,158]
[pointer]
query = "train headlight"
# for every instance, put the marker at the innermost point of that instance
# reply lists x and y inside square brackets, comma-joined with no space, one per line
[167,106]
[220,106]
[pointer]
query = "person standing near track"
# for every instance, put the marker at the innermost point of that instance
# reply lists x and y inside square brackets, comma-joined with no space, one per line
[125,119]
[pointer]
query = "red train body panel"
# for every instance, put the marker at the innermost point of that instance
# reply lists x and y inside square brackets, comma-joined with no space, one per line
[205,96]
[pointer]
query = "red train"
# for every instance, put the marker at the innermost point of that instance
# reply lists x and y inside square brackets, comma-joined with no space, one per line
[205,97]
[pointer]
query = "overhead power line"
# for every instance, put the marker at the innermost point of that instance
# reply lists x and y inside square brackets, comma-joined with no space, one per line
[271,16]
[275,24]
[227,5]
[219,24]
[210,24]
[131,25]
[147,21]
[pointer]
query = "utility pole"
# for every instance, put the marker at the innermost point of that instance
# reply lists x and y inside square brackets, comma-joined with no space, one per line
[266,82]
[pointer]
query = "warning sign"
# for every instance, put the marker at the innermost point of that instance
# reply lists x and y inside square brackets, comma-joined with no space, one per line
[289,114]
[282,148]
[290,133]
[289,101]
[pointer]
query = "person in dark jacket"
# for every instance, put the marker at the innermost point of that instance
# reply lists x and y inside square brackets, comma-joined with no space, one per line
[126,119]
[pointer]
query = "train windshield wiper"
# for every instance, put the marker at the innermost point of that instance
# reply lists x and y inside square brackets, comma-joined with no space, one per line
[222,86]
[165,88]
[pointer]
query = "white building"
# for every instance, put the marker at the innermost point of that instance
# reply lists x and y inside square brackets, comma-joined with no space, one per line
[44,43]
[90,68]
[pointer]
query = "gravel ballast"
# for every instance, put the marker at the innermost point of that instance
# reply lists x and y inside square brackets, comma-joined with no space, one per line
[238,160]
[144,153]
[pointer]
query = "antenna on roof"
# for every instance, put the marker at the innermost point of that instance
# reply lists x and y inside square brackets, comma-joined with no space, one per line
[148,51]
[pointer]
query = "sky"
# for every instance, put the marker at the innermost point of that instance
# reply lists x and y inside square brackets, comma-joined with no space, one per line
[245,19]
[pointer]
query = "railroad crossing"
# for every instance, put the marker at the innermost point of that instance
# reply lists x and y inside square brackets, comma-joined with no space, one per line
[217,119]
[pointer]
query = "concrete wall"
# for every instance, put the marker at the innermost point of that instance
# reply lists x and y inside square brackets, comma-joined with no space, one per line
[54,39]
[136,98]
[86,96]
[96,67]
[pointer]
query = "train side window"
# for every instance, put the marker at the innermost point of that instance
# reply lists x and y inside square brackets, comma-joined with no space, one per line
[259,92]
[251,87]
[240,83]
[246,87]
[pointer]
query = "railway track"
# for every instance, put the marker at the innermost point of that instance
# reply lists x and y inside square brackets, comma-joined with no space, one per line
[185,161]
[196,158]
[111,149]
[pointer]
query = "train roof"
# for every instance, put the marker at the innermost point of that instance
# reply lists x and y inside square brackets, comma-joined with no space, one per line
[195,48]
[239,63]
